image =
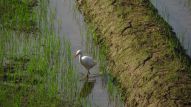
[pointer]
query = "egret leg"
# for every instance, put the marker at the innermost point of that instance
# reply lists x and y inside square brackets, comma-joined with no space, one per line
[88,74]
[85,77]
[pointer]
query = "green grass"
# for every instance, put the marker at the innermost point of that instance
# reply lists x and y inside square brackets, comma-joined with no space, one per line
[30,60]
[18,16]
[28,66]
[36,65]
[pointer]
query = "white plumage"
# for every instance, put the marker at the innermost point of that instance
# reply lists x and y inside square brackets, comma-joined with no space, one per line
[86,61]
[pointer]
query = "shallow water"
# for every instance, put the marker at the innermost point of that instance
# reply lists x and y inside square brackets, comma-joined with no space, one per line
[69,24]
[178,14]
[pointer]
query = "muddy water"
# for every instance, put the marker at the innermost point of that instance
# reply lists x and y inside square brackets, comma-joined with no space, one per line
[178,14]
[69,23]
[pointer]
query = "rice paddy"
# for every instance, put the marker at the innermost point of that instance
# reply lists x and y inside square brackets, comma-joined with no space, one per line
[37,41]
[37,66]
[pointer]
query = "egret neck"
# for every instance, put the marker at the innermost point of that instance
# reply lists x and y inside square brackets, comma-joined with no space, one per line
[80,57]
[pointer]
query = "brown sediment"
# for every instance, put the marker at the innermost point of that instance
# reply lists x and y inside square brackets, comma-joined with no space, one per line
[144,54]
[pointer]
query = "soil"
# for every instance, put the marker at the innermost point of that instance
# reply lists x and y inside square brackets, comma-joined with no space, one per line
[143,52]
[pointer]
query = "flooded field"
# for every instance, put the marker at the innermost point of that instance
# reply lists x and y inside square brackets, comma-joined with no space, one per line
[38,68]
[178,14]
[70,25]
[39,39]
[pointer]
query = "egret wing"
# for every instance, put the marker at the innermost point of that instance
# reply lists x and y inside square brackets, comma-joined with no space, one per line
[88,61]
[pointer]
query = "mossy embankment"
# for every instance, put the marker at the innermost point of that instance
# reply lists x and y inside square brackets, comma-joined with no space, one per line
[143,52]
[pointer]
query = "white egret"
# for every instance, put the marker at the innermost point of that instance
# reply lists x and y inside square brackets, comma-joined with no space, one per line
[86,61]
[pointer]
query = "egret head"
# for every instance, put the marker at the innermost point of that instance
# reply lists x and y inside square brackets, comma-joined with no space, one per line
[78,52]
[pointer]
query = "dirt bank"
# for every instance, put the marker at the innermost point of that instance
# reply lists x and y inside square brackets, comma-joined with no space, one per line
[143,52]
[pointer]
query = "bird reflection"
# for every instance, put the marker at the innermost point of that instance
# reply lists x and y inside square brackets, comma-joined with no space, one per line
[87,88]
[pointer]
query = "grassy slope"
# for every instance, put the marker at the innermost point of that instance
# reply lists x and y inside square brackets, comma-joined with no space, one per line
[144,54]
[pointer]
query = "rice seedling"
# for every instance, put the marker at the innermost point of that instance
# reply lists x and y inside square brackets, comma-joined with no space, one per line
[31,63]
[37,67]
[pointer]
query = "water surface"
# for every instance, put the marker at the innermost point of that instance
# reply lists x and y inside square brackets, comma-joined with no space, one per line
[69,24]
[178,14]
